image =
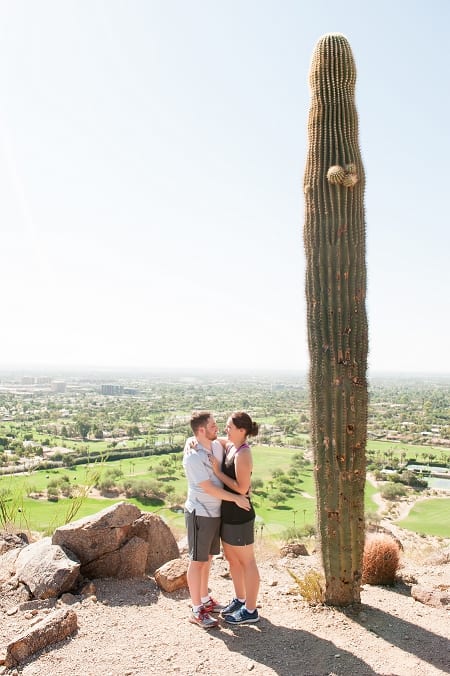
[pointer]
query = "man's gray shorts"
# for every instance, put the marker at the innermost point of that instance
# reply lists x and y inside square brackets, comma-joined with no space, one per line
[203,534]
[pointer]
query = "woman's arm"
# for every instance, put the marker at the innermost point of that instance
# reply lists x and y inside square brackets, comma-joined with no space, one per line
[243,465]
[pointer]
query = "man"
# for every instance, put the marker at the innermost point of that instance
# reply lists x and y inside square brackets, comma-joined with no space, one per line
[202,513]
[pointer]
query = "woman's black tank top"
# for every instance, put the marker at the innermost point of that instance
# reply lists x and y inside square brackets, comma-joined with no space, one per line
[230,512]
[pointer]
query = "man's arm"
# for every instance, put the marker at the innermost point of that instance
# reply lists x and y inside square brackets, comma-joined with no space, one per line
[222,494]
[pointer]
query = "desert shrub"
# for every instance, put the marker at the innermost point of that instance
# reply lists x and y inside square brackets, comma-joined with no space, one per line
[52,494]
[311,586]
[393,491]
[373,518]
[410,479]
[66,489]
[144,489]
[296,533]
[380,561]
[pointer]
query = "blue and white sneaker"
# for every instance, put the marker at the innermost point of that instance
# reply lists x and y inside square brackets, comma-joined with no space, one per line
[231,608]
[242,616]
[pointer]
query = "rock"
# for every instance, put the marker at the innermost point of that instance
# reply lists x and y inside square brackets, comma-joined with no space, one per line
[13,593]
[99,534]
[40,604]
[10,541]
[182,544]
[46,569]
[88,589]
[162,544]
[172,575]
[128,561]
[293,549]
[438,597]
[69,599]
[439,558]
[52,629]
[8,564]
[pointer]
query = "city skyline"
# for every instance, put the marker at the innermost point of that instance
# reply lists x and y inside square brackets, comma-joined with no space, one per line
[152,158]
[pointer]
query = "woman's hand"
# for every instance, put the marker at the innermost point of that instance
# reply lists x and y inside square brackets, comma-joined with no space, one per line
[215,464]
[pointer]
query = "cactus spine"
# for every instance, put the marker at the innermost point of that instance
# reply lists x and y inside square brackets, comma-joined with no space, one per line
[334,238]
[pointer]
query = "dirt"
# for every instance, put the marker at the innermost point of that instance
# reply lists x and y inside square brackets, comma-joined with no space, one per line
[132,628]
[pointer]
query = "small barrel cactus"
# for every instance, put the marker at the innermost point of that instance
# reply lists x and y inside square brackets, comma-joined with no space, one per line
[381,560]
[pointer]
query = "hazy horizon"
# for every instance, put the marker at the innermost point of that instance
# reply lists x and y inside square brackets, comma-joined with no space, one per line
[68,370]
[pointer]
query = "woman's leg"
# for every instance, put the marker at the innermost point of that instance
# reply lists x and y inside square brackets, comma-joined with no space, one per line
[250,575]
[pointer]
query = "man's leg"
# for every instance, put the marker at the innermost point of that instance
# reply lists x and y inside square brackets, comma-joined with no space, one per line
[204,584]
[197,572]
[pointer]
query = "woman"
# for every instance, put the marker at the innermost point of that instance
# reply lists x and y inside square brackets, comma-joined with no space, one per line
[238,525]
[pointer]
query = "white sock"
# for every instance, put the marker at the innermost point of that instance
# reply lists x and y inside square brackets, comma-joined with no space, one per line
[248,610]
[195,609]
[241,600]
[205,599]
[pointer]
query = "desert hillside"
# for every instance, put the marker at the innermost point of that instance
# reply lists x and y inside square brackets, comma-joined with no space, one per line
[132,628]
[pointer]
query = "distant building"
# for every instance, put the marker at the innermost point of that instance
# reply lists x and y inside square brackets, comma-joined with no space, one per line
[112,389]
[59,386]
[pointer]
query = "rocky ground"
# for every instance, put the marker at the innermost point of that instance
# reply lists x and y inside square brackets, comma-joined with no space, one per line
[132,628]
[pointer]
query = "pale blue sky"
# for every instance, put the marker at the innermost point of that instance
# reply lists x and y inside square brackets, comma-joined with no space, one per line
[151,166]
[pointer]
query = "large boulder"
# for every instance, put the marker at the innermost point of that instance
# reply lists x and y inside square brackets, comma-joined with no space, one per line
[46,569]
[162,544]
[99,534]
[120,541]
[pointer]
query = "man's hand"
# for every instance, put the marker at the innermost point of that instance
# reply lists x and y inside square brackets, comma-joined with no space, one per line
[243,502]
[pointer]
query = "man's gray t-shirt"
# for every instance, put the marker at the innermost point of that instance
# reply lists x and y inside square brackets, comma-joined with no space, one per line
[198,468]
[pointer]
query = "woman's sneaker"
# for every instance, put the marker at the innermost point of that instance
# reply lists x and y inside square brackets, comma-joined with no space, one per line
[203,619]
[242,616]
[231,608]
[212,606]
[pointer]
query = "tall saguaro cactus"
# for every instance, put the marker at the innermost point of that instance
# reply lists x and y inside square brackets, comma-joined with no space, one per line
[334,238]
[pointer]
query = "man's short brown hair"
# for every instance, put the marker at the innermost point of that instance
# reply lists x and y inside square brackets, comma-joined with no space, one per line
[199,419]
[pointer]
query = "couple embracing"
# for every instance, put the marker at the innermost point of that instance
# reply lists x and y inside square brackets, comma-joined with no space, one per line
[218,471]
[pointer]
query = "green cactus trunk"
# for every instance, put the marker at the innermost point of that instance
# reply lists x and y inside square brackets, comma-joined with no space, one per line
[334,237]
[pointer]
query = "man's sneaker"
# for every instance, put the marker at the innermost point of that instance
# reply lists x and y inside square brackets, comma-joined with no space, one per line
[212,606]
[242,616]
[231,608]
[203,619]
